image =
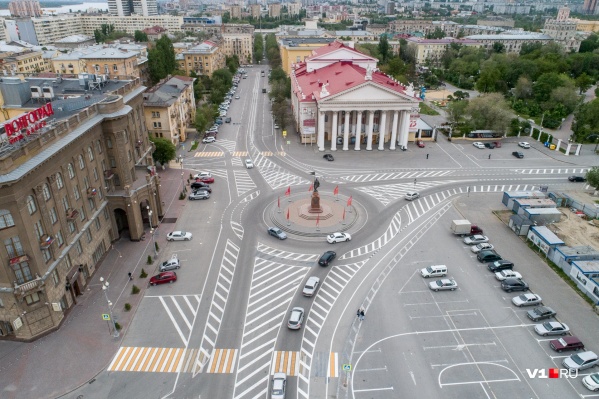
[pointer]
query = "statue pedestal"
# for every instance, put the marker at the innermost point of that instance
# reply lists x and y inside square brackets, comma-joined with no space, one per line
[315,203]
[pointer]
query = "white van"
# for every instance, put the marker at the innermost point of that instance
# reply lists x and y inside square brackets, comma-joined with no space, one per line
[434,271]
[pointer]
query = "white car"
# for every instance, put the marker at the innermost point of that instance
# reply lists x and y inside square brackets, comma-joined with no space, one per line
[527,300]
[223,114]
[444,284]
[209,139]
[481,247]
[338,237]
[276,126]
[551,328]
[296,319]
[475,239]
[478,144]
[524,144]
[581,361]
[507,273]
[591,382]
[178,236]
[279,382]
[311,286]
[237,97]
[412,196]
[249,164]
[202,174]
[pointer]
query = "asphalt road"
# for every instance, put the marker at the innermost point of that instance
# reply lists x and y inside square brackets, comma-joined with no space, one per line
[220,331]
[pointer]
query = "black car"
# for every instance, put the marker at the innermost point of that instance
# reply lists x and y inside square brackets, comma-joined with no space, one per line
[540,313]
[326,258]
[514,284]
[197,184]
[488,255]
[499,265]
[577,178]
[328,157]
[518,154]
[490,145]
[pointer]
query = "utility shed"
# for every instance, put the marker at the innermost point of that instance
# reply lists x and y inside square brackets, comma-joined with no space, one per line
[544,238]
[510,196]
[542,216]
[564,256]
[520,224]
[520,204]
[585,273]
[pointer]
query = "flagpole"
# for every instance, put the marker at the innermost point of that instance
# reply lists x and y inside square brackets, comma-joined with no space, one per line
[279,204]
[343,223]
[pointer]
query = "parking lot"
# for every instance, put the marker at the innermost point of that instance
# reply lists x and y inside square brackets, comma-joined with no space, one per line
[471,342]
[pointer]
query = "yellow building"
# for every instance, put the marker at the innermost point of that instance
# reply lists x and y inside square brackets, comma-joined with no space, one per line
[203,59]
[26,62]
[294,50]
[431,50]
[586,26]
[112,61]
[169,108]
[274,10]
[255,10]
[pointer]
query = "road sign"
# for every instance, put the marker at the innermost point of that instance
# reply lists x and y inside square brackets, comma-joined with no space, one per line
[347,367]
[105,316]
[284,133]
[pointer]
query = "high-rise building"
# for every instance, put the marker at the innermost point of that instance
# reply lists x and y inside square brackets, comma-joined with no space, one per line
[124,8]
[589,6]
[25,8]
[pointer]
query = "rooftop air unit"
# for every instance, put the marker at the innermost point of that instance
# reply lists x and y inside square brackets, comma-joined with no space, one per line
[48,93]
[36,92]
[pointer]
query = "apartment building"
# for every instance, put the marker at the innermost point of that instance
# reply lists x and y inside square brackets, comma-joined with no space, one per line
[112,61]
[210,25]
[512,40]
[238,39]
[47,30]
[274,10]
[255,10]
[169,108]
[129,24]
[25,8]
[123,8]
[26,62]
[204,58]
[294,8]
[296,50]
[430,51]
[235,11]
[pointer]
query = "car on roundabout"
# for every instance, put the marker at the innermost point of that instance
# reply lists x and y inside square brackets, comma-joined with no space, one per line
[338,237]
[276,232]
[296,318]
[279,384]
[311,286]
[179,236]
[443,285]
[411,196]
[249,164]
[327,258]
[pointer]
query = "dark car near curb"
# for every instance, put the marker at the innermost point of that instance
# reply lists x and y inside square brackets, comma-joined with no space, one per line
[514,284]
[577,178]
[540,313]
[487,256]
[501,264]
[202,186]
[518,154]
[326,258]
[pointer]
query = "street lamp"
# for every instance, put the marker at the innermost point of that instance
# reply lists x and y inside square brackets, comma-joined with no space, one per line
[152,230]
[105,285]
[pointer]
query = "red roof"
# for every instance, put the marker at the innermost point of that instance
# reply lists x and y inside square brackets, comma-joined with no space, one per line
[154,30]
[340,76]
[333,46]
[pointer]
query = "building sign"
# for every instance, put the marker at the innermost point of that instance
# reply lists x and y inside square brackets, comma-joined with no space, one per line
[414,122]
[26,124]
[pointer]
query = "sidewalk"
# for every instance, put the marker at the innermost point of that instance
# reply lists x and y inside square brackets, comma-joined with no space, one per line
[83,347]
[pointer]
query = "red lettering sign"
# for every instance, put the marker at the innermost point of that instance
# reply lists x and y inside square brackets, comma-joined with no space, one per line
[27,121]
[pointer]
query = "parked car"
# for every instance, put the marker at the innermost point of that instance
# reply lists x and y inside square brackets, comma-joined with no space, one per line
[518,154]
[296,319]
[490,145]
[338,237]
[420,143]
[514,284]
[478,144]
[540,313]
[210,139]
[480,247]
[527,300]
[179,236]
[163,278]
[577,178]
[552,328]
[276,232]
[444,284]
[311,286]
[571,343]
[524,144]
[199,195]
[507,273]
[276,126]
[499,265]
[434,271]
[237,97]
[199,185]
[581,361]
[591,382]
[279,383]
[206,179]
[171,264]
[488,256]
[202,174]
[228,119]
[328,157]
[411,196]
[326,258]
[475,239]
[497,144]
[249,164]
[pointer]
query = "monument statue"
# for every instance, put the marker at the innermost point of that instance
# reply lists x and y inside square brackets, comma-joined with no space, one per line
[315,202]
[316,184]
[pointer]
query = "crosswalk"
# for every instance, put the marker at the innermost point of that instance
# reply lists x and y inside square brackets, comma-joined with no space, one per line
[236,162]
[209,154]
[386,194]
[149,360]
[228,145]
[267,252]
[181,311]
[216,154]
[222,361]
[243,182]
[285,362]
[267,306]
[552,171]
[396,175]
[274,175]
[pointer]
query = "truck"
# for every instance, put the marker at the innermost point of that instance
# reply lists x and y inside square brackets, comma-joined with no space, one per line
[464,228]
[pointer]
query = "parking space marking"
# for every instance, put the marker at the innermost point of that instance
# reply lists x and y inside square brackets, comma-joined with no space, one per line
[373,389]
[460,346]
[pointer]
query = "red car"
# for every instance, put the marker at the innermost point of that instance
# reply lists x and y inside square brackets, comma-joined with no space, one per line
[163,278]
[566,344]
[206,179]
[420,143]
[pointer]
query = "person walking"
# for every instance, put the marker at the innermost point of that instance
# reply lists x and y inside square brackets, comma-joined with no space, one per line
[361,313]
[489,156]
[130,276]
[358,314]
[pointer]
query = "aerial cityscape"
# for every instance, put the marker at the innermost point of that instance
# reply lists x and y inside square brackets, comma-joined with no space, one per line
[299,199]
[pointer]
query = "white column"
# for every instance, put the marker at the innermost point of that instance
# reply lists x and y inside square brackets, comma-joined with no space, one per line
[334,134]
[568,148]
[404,128]
[320,139]
[394,130]
[559,143]
[358,131]
[577,153]
[369,131]
[382,130]
[346,131]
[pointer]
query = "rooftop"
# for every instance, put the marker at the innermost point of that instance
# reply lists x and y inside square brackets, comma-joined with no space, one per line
[517,35]
[583,250]
[305,41]
[74,39]
[110,53]
[445,40]
[204,47]
[167,92]
[587,266]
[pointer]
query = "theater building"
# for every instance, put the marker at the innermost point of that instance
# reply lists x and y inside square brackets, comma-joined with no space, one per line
[76,173]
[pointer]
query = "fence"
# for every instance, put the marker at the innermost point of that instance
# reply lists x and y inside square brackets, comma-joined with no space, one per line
[591,210]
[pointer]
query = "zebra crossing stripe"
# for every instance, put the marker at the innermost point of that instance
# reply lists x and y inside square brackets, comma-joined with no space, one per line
[333,365]
[285,362]
[222,361]
[239,153]
[209,154]
[147,359]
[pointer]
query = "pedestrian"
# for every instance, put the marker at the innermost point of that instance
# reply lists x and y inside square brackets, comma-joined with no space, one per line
[358,314]
[130,276]
[489,156]
[426,156]
[361,313]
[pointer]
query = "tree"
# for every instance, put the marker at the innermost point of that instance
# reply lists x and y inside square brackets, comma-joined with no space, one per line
[167,51]
[155,65]
[592,177]
[523,88]
[489,112]
[384,48]
[140,36]
[436,34]
[456,110]
[584,82]
[498,47]
[165,150]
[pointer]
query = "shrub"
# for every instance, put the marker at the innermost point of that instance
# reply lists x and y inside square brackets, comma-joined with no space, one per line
[182,195]
[143,274]
[127,307]
[149,261]
[134,289]
[117,326]
[156,246]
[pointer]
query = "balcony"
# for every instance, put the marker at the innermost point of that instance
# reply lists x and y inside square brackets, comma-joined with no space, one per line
[108,174]
[28,287]
[46,241]
[91,192]
[72,214]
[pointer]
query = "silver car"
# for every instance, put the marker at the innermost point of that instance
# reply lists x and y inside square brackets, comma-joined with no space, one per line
[296,319]
[527,300]
[199,195]
[249,164]
[475,239]
[171,264]
[443,284]
[311,286]
[581,361]
[279,383]
[552,328]
[179,236]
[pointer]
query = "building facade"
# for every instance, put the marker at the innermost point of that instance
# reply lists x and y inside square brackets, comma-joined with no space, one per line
[169,108]
[25,8]
[204,59]
[295,50]
[26,62]
[274,10]
[73,180]
[430,51]
[341,101]
[124,8]
[564,30]
[512,40]
[238,39]
[255,10]
[47,30]
[112,61]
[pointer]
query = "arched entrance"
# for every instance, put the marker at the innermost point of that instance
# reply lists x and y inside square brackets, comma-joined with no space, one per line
[122,223]
[145,209]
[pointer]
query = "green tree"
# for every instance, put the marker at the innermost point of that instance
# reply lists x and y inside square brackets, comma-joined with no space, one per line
[167,52]
[592,177]
[384,48]
[156,65]
[489,111]
[584,82]
[164,152]
[456,111]
[586,121]
[140,36]
[436,34]
[498,47]
[523,88]
[589,44]
[226,17]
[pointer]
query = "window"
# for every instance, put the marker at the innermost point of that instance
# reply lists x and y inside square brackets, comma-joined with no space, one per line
[31,205]
[79,247]
[90,153]
[98,225]
[46,192]
[65,203]
[71,227]
[96,177]
[13,247]
[129,156]
[55,277]
[98,146]
[81,162]
[88,233]
[53,215]
[97,68]
[115,68]
[32,298]
[109,142]
[22,272]
[86,182]
[76,192]
[47,255]
[71,171]
[6,219]
[157,125]
[39,230]
[155,114]
[106,214]
[60,238]
[59,181]
[91,203]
